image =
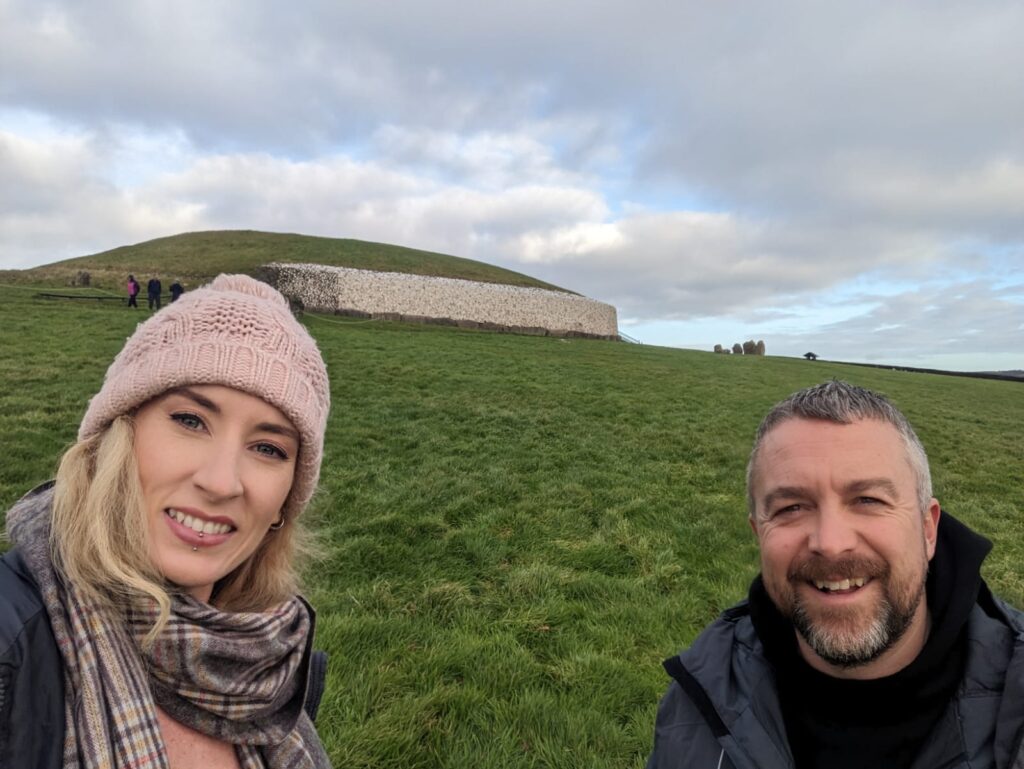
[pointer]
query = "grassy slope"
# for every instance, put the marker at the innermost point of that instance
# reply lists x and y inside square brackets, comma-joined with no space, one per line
[521,528]
[196,257]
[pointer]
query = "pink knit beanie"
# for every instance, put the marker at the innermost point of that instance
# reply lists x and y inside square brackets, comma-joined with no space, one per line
[235,332]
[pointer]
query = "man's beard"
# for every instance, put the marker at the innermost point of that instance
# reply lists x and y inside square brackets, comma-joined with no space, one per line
[851,636]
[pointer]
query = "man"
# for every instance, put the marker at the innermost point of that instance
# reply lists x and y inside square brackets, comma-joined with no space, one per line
[153,291]
[869,639]
[176,290]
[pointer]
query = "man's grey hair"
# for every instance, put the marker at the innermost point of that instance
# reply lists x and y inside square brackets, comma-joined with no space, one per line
[844,403]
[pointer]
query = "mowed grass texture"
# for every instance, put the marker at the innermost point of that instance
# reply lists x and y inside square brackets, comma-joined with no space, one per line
[519,529]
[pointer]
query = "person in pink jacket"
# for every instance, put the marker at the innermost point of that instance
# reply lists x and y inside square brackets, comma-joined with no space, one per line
[133,291]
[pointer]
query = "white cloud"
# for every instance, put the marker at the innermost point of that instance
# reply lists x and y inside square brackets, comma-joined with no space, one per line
[683,161]
[489,160]
[56,202]
[68,178]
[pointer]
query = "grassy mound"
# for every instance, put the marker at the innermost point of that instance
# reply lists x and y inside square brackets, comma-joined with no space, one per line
[196,257]
[520,528]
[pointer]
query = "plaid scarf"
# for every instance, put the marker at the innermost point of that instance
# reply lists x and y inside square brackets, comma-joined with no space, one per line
[238,677]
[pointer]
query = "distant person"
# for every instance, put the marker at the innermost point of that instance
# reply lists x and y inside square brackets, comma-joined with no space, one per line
[176,290]
[149,609]
[869,639]
[133,291]
[153,290]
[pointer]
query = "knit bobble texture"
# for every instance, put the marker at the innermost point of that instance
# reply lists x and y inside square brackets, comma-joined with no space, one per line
[236,332]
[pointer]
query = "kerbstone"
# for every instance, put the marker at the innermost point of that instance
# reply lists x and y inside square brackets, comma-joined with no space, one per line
[401,296]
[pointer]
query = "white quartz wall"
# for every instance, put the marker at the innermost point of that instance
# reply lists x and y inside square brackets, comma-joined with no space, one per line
[419,297]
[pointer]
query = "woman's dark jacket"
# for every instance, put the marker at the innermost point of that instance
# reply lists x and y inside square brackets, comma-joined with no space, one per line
[32,675]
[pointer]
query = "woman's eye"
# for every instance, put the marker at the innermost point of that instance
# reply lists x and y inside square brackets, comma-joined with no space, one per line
[191,421]
[270,450]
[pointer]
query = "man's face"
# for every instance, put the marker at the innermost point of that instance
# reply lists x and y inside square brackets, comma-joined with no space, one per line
[844,545]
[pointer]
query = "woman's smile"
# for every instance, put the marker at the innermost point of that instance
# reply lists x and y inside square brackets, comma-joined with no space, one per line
[195,529]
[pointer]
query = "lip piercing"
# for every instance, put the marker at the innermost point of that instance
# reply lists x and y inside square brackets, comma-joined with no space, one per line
[201,534]
[194,548]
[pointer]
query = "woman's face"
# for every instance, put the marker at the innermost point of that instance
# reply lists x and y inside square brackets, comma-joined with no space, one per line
[216,466]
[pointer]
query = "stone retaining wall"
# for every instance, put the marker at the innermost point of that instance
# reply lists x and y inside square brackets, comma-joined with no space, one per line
[467,303]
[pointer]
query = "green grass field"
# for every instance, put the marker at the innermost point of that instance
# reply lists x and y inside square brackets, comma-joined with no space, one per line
[197,257]
[519,529]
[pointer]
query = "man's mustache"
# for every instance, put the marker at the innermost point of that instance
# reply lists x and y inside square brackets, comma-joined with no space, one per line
[819,568]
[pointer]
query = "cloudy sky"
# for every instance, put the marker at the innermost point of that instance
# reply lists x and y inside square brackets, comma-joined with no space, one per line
[843,178]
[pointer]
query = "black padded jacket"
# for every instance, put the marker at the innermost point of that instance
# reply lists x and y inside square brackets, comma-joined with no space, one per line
[722,711]
[32,677]
[31,674]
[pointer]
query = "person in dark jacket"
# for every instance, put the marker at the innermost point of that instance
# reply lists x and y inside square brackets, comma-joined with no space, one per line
[153,290]
[869,639]
[176,290]
[149,613]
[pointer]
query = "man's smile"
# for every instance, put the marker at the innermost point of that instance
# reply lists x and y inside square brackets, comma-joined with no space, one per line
[840,586]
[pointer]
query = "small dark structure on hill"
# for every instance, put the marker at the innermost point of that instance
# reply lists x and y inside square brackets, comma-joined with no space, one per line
[810,356]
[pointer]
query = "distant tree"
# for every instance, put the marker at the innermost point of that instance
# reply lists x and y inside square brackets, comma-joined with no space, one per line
[749,348]
[810,356]
[760,347]
[736,349]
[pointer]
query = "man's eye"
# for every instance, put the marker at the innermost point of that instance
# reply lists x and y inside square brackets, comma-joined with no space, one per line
[191,421]
[868,501]
[787,509]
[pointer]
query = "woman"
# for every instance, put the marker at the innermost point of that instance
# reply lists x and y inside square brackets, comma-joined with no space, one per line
[133,291]
[149,609]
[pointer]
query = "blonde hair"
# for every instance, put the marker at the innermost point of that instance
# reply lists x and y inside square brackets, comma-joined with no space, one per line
[99,539]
